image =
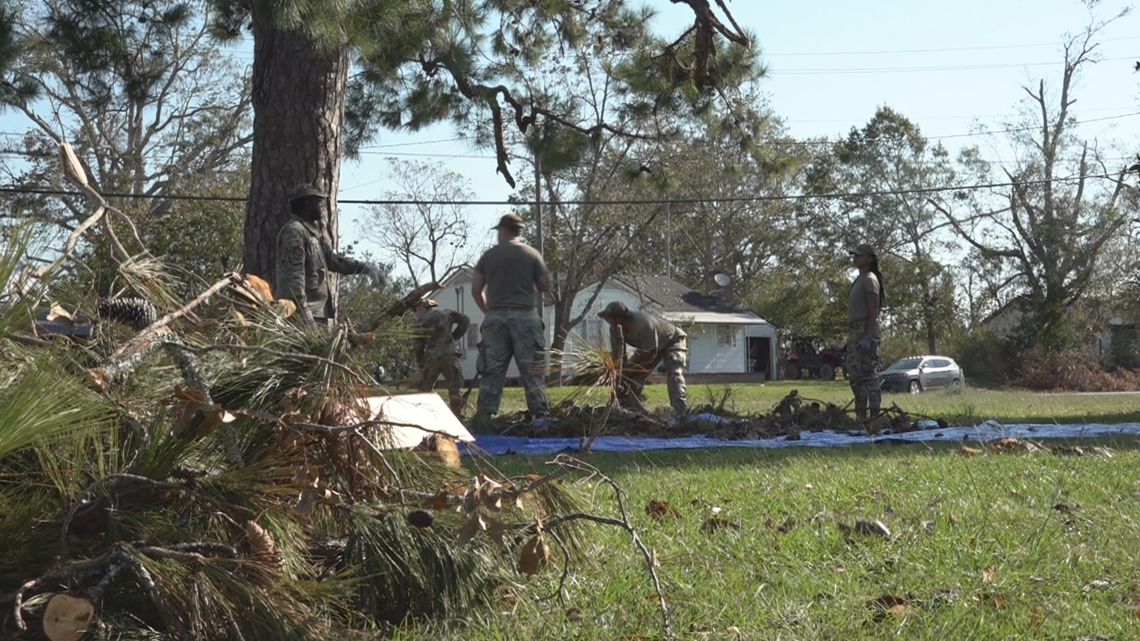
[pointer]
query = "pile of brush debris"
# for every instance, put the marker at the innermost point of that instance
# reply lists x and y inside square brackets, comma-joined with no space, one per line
[789,418]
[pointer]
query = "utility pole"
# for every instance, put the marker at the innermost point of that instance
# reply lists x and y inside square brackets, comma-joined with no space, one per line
[540,303]
[668,238]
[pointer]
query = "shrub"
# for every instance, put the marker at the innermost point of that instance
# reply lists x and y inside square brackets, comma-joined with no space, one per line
[1075,370]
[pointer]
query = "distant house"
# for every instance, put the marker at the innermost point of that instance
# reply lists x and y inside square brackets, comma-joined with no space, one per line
[1109,333]
[726,342]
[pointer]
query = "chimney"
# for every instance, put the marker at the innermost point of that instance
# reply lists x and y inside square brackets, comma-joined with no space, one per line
[719,283]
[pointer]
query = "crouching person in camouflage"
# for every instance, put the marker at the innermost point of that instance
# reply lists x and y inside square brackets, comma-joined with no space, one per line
[513,275]
[655,340]
[437,350]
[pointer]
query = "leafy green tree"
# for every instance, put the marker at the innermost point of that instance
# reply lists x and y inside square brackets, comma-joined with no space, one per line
[419,63]
[887,169]
[151,107]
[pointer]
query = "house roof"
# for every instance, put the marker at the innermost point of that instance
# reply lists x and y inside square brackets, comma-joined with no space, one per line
[675,297]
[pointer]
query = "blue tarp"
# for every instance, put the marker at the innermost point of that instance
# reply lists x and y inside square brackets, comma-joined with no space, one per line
[491,444]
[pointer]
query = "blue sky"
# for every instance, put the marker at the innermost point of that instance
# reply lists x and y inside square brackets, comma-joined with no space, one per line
[952,68]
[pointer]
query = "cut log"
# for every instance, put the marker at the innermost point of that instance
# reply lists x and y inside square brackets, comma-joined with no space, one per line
[67,617]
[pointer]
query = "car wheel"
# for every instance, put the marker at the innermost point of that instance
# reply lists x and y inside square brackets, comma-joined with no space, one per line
[827,372]
[956,384]
[915,387]
[795,372]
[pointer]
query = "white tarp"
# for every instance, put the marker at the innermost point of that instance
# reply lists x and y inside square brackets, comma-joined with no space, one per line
[415,416]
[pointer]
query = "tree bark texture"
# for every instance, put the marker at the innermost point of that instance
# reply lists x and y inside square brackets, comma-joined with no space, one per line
[298,106]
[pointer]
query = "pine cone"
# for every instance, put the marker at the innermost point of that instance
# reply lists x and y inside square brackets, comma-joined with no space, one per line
[136,313]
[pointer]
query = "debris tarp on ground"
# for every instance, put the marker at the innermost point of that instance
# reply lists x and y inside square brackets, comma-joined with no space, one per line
[497,444]
[411,417]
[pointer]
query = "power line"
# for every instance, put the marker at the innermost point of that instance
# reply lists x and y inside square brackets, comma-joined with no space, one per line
[633,201]
[938,50]
[868,70]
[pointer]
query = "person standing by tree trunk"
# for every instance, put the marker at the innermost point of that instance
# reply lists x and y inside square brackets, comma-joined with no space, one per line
[864,300]
[304,259]
[437,349]
[511,272]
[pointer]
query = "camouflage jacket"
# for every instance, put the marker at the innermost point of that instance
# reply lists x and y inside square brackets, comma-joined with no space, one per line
[434,334]
[304,260]
[645,333]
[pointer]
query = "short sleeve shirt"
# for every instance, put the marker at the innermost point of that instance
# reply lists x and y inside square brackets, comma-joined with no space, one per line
[857,298]
[510,270]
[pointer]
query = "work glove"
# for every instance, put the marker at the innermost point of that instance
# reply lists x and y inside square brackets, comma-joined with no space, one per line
[373,272]
[866,345]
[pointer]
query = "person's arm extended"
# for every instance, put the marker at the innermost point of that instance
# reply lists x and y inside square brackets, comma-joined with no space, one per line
[478,282]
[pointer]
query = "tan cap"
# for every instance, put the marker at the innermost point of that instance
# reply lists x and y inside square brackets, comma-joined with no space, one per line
[862,250]
[306,190]
[615,309]
[510,221]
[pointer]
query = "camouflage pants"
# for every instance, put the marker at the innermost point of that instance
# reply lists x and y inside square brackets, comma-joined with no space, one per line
[448,366]
[511,333]
[676,356]
[863,371]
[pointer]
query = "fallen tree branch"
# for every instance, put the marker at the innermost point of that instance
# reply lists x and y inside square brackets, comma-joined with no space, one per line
[581,466]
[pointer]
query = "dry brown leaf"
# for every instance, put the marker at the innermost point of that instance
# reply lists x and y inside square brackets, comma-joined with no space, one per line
[573,614]
[836,567]
[471,528]
[212,421]
[714,524]
[661,509]
[535,553]
[988,573]
[967,451]
[437,502]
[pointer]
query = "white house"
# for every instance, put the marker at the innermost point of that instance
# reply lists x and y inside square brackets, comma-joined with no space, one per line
[726,342]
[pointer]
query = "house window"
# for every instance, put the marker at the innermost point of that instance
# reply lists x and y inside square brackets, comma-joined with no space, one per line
[596,334]
[725,336]
[471,339]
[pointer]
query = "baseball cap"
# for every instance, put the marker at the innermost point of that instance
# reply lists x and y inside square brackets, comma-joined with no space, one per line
[510,221]
[305,190]
[862,250]
[615,309]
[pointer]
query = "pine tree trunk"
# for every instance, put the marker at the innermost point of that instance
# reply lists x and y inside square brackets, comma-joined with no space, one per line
[298,107]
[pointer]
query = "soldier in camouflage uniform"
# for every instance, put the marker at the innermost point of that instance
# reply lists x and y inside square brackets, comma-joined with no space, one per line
[863,335]
[437,349]
[654,340]
[513,274]
[305,258]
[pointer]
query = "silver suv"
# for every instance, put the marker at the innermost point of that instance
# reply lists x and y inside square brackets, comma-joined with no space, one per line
[916,374]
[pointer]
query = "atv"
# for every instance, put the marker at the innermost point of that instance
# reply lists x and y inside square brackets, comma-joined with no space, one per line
[811,357]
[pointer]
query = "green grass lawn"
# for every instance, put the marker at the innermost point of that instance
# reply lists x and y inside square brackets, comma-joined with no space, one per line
[966,407]
[987,546]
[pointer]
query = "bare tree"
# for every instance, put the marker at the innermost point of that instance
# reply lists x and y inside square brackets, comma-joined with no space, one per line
[428,238]
[1043,235]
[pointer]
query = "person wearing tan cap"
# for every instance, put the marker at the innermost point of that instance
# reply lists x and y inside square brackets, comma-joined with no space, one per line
[507,281]
[864,300]
[436,348]
[304,259]
[654,340]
